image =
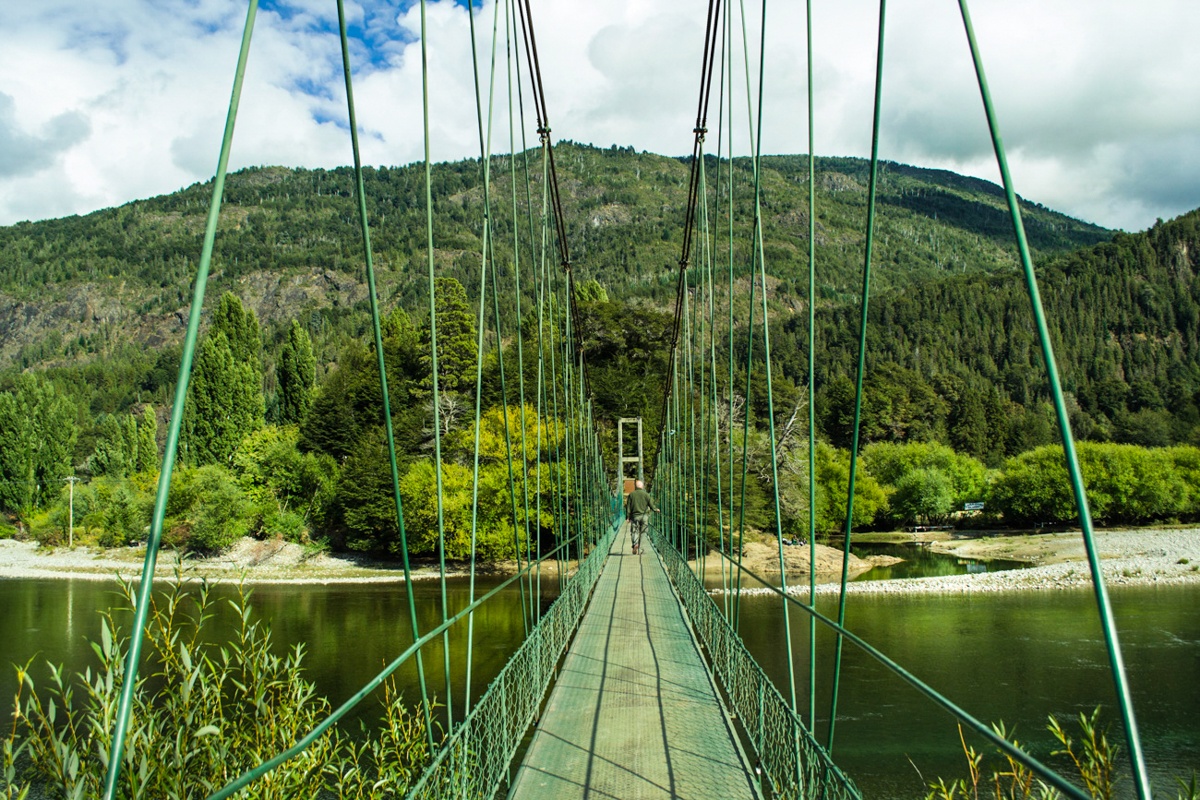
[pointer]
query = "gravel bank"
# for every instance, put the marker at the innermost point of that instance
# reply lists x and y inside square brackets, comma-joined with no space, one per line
[1128,558]
[250,560]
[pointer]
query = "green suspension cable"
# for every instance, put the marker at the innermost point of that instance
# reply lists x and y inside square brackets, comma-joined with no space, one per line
[373,297]
[546,347]
[705,305]
[695,410]
[433,346]
[561,534]
[726,565]
[812,408]
[862,359]
[716,428]
[758,256]
[485,168]
[560,515]
[687,445]
[745,445]
[512,145]
[1112,643]
[146,586]
[737,605]
[750,330]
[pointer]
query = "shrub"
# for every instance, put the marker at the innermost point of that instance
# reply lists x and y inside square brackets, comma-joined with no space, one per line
[1125,484]
[218,705]
[207,510]
[1093,757]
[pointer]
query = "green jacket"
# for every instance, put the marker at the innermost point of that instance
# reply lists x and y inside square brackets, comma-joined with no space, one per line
[639,503]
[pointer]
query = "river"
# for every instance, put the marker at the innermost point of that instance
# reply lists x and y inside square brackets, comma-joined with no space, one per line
[1013,657]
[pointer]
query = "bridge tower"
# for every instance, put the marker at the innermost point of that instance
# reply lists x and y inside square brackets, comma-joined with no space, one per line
[625,483]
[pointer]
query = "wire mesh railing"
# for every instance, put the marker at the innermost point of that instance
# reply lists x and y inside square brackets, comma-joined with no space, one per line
[795,765]
[474,761]
[696,436]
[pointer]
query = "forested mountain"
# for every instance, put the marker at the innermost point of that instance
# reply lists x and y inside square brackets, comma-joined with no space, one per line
[289,244]
[285,399]
[962,353]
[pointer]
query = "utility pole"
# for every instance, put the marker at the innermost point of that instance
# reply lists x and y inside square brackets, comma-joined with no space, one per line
[71,511]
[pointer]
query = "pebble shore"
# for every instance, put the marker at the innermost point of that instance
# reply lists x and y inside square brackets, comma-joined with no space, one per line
[1127,558]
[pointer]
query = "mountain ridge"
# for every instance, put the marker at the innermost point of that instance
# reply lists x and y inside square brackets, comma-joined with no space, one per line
[288,241]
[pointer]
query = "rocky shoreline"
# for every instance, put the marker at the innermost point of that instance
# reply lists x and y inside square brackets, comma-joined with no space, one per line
[250,560]
[1158,557]
[1058,562]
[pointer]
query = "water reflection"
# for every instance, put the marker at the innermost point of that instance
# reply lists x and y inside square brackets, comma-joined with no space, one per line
[921,562]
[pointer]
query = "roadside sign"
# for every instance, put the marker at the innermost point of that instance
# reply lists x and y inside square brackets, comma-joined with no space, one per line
[972,506]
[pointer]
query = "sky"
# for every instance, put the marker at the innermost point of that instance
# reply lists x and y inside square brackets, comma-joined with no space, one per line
[107,101]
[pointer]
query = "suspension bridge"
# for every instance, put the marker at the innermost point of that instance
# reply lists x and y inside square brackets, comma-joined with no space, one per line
[633,682]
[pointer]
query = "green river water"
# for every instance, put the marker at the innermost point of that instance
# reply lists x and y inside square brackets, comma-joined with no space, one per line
[1015,657]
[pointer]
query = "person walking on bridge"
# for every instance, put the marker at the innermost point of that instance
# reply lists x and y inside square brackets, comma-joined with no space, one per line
[638,506]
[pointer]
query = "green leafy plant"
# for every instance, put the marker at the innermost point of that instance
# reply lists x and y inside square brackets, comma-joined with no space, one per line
[207,708]
[1010,780]
[1092,755]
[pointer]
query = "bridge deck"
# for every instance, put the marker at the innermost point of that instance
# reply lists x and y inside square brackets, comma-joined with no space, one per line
[634,714]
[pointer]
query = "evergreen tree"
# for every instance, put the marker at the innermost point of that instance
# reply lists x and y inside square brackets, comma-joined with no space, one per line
[147,433]
[969,424]
[456,345]
[297,372]
[37,438]
[109,457]
[225,403]
[240,327]
[129,441]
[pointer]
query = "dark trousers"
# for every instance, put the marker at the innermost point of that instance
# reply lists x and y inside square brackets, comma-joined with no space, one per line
[637,526]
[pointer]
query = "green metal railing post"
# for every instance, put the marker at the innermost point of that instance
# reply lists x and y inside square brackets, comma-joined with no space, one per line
[146,585]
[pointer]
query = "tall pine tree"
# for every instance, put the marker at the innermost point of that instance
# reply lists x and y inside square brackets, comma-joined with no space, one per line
[240,327]
[456,345]
[37,438]
[225,403]
[147,435]
[296,374]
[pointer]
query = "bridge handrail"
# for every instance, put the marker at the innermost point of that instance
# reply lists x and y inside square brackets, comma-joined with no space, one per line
[787,752]
[301,745]
[964,717]
[474,760]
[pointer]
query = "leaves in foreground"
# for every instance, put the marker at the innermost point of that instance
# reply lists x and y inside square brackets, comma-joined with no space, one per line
[212,701]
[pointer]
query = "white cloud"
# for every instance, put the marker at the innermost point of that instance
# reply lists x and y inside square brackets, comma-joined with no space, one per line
[107,101]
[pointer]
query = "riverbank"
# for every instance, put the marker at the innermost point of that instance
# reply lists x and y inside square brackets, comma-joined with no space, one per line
[251,560]
[1058,561]
[1158,557]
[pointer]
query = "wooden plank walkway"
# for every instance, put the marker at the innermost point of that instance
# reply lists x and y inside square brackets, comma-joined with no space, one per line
[634,714]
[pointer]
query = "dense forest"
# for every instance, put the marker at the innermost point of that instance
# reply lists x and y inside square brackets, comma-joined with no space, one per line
[283,430]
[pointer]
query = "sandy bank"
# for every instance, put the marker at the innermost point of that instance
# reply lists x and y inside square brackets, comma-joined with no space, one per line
[1058,561]
[250,559]
[763,559]
[1128,558]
